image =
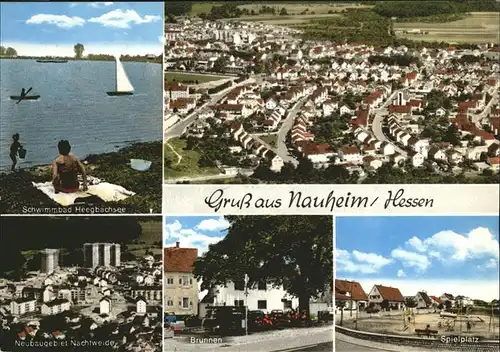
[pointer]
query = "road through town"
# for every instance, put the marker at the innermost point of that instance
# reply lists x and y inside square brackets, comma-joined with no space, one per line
[179,128]
[281,340]
[378,122]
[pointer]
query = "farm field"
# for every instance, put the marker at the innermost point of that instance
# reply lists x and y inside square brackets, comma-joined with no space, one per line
[291,8]
[187,164]
[180,77]
[284,20]
[478,27]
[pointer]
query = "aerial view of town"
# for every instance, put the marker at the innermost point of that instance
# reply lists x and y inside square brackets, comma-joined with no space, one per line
[418,283]
[332,92]
[81,284]
[248,283]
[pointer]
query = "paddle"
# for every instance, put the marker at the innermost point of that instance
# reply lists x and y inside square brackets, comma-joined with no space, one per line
[25,94]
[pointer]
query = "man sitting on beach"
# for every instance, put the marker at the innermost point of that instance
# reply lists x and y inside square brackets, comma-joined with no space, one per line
[65,169]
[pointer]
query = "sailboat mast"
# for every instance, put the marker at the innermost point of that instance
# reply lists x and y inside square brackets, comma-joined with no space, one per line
[116,74]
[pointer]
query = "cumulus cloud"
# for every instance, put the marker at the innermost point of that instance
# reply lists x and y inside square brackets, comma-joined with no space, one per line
[213,224]
[401,273]
[188,238]
[98,5]
[123,18]
[490,264]
[365,263]
[451,246]
[61,21]
[411,259]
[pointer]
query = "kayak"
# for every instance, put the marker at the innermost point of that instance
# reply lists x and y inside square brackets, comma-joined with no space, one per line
[26,97]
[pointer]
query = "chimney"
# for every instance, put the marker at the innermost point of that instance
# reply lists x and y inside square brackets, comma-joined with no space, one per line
[177,244]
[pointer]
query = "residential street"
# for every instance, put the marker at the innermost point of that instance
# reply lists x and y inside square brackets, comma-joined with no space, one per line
[179,128]
[287,125]
[320,347]
[378,122]
[281,340]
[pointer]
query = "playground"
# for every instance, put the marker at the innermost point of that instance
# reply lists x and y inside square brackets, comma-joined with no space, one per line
[429,324]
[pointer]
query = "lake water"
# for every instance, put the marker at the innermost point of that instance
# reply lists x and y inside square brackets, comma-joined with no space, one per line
[74,106]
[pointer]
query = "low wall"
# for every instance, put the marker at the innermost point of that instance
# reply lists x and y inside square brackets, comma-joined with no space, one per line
[434,343]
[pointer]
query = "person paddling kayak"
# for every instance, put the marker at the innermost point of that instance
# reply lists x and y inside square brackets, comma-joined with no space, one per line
[23,92]
[65,169]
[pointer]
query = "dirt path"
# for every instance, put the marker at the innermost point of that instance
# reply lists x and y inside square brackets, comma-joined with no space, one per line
[179,157]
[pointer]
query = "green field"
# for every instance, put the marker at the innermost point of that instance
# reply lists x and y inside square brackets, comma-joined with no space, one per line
[188,164]
[270,138]
[151,236]
[181,77]
[478,27]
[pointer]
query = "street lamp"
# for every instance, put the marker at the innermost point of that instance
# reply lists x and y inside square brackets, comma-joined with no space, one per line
[246,304]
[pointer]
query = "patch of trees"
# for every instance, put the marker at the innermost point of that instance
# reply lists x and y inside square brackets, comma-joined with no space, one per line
[283,12]
[219,88]
[240,79]
[177,8]
[355,26]
[9,52]
[212,152]
[466,60]
[413,8]
[267,10]
[401,60]
[224,11]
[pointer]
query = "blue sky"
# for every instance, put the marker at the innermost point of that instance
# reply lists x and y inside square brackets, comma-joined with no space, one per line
[424,250]
[194,231]
[28,25]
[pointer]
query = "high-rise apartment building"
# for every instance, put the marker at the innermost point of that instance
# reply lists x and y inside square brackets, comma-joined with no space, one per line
[50,260]
[101,254]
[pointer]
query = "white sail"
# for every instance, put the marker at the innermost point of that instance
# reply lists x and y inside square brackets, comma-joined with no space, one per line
[122,82]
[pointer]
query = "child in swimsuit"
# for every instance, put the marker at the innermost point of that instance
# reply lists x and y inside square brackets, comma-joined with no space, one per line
[14,148]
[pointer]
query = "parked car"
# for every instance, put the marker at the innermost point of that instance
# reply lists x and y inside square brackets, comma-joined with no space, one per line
[280,318]
[225,320]
[258,321]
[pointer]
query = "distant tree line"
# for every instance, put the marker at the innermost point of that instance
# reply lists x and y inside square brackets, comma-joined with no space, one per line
[406,9]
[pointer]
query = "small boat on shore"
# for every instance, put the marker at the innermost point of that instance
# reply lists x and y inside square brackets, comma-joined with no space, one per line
[26,97]
[51,61]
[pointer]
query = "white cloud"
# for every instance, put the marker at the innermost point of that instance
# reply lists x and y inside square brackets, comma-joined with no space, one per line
[98,5]
[417,244]
[213,225]
[188,238]
[490,264]
[123,18]
[61,21]
[365,263]
[401,273]
[451,246]
[411,259]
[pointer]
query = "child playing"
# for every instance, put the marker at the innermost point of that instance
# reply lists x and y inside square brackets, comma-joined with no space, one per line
[14,148]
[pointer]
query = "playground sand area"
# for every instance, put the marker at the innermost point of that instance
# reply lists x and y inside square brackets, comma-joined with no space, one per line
[393,325]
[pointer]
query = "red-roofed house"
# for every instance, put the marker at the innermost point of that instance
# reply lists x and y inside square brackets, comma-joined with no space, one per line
[350,292]
[351,155]
[181,287]
[392,295]
[494,162]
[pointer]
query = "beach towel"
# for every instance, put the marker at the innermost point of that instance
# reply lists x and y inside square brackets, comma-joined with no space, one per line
[108,192]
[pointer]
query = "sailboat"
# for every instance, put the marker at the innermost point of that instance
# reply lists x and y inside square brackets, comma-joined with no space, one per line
[123,85]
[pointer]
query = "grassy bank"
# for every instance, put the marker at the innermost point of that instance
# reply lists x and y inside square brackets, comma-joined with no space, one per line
[184,163]
[17,192]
